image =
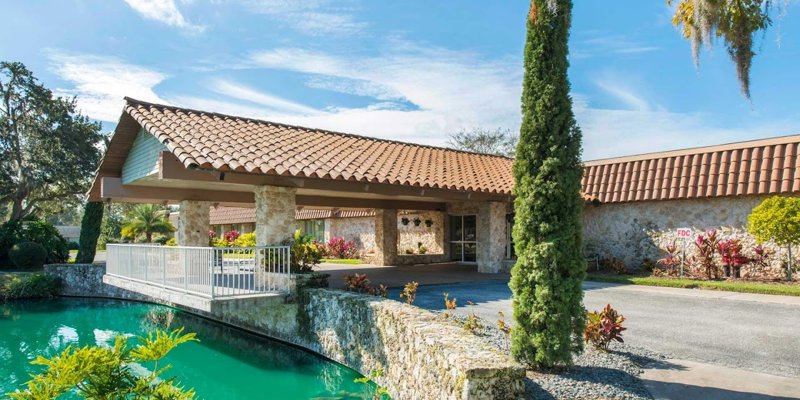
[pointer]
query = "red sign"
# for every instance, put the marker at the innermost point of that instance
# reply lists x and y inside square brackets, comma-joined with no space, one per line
[683,232]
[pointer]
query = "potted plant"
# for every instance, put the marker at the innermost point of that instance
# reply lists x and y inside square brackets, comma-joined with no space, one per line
[417,221]
[404,221]
[428,223]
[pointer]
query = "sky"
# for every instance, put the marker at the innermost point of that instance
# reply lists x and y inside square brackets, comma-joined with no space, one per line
[413,71]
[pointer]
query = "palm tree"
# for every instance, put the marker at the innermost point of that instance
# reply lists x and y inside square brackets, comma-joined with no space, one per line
[147,219]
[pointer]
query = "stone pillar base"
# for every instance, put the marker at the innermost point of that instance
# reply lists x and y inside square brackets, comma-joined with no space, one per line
[193,224]
[491,226]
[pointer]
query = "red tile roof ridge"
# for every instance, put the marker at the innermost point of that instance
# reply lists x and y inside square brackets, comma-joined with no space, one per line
[744,144]
[352,135]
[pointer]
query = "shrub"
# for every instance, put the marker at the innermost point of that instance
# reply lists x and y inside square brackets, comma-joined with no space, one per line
[337,247]
[15,231]
[160,239]
[246,240]
[409,251]
[705,248]
[380,290]
[358,283]
[472,323]
[410,292]
[306,252]
[777,219]
[72,245]
[28,255]
[171,242]
[670,263]
[91,225]
[613,264]
[23,286]
[104,372]
[231,236]
[603,327]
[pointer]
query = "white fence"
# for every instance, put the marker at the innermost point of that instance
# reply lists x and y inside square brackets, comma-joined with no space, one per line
[212,272]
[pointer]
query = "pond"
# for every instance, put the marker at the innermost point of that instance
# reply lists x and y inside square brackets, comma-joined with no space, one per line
[226,364]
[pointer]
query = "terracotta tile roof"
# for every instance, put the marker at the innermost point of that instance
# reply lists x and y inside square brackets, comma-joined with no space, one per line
[231,215]
[768,166]
[237,215]
[228,143]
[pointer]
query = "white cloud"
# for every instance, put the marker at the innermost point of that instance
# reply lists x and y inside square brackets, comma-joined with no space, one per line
[445,90]
[101,83]
[310,17]
[164,11]
[245,93]
[628,96]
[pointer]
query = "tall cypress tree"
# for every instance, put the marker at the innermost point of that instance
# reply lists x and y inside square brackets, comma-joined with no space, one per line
[546,280]
[90,231]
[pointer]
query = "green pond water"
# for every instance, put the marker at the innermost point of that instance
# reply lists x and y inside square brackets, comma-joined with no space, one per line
[226,364]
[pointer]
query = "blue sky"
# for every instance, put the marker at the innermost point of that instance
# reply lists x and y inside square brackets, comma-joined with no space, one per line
[411,70]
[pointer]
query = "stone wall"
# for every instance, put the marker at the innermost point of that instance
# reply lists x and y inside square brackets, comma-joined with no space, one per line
[637,231]
[409,236]
[360,230]
[422,355]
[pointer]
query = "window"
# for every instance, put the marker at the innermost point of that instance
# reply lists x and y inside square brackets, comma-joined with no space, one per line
[315,228]
[463,238]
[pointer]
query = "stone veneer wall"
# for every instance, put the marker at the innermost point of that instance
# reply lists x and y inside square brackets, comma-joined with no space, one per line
[193,222]
[637,231]
[360,230]
[423,356]
[409,236]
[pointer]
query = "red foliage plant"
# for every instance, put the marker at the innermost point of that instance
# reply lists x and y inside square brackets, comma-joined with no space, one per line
[731,252]
[603,327]
[705,248]
[337,247]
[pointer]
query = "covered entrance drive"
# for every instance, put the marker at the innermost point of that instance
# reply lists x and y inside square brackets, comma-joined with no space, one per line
[200,160]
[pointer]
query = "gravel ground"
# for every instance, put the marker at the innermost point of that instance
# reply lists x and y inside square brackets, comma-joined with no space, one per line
[596,375]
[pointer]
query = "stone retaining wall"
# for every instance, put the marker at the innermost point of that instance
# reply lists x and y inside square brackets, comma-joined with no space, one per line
[422,356]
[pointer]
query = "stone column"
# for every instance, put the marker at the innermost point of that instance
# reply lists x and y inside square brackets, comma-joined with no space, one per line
[491,227]
[275,207]
[193,223]
[385,237]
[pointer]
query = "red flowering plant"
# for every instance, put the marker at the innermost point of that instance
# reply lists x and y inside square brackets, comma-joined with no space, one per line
[231,236]
[705,248]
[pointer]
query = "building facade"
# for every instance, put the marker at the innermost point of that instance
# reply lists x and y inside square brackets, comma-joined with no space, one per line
[382,193]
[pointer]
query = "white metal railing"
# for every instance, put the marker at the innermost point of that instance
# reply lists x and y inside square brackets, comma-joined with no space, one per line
[212,272]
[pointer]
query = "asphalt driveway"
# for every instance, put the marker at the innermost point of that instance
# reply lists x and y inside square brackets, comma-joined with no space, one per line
[758,333]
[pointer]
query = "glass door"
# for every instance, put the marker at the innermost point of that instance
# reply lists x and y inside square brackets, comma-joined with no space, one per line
[463,238]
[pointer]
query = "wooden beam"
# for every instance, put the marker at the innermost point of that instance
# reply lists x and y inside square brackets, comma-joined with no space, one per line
[113,189]
[172,168]
[351,202]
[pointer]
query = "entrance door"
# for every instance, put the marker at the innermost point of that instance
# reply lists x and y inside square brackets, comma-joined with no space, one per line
[463,238]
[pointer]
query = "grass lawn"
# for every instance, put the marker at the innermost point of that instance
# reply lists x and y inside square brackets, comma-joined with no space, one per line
[341,260]
[730,286]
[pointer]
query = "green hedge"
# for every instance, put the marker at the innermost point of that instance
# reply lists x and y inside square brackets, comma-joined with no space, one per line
[28,285]
[16,231]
